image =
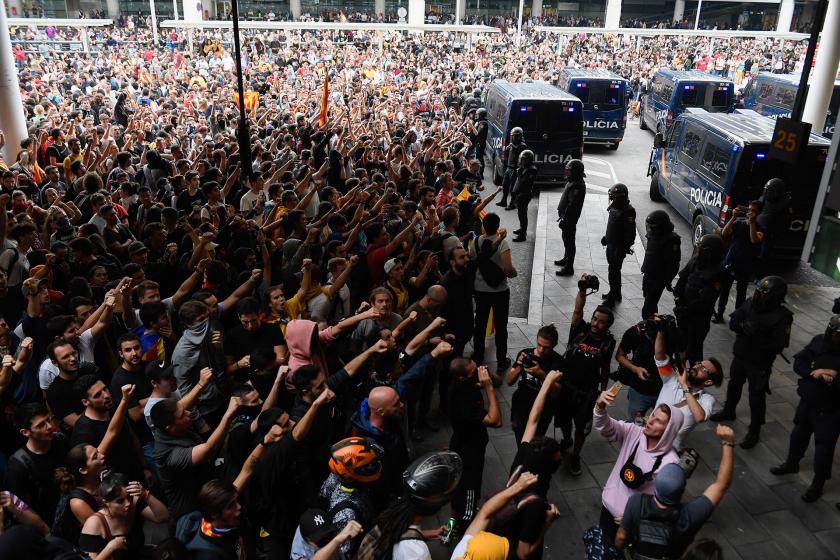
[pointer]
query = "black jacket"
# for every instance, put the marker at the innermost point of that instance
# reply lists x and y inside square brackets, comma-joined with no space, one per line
[662,257]
[571,203]
[818,355]
[760,336]
[621,227]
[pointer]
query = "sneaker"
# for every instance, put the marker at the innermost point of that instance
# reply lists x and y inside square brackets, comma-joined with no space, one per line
[813,492]
[502,202]
[519,238]
[574,465]
[785,468]
[510,207]
[722,416]
[518,231]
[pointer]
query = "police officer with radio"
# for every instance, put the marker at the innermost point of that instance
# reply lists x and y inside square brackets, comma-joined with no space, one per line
[662,259]
[510,159]
[621,233]
[762,331]
[818,412]
[523,191]
[568,213]
[696,292]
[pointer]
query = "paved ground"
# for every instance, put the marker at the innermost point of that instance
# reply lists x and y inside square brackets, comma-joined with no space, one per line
[762,517]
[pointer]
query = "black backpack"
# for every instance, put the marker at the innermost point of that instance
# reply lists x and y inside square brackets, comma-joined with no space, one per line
[491,272]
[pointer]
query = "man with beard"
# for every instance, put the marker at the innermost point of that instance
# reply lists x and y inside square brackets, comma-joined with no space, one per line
[695,294]
[568,213]
[619,238]
[662,259]
[818,412]
[131,372]
[762,331]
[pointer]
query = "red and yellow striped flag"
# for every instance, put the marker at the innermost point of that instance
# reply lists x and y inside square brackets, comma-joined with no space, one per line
[325,97]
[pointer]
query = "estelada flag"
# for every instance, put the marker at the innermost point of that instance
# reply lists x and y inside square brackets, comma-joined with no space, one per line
[464,195]
[325,97]
[252,100]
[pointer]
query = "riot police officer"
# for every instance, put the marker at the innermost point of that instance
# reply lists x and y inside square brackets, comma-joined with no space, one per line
[695,294]
[472,102]
[818,412]
[510,159]
[662,259]
[479,138]
[523,190]
[774,213]
[762,330]
[568,214]
[619,238]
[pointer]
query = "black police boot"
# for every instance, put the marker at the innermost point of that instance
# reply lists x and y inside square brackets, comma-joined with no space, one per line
[722,416]
[511,206]
[574,465]
[788,467]
[561,262]
[519,238]
[518,231]
[502,202]
[751,440]
[814,491]
[567,270]
[717,317]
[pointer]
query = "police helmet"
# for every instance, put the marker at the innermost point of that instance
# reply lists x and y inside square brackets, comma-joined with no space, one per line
[659,222]
[710,248]
[770,292]
[515,133]
[575,169]
[431,480]
[774,189]
[619,193]
[833,325]
[481,114]
[526,158]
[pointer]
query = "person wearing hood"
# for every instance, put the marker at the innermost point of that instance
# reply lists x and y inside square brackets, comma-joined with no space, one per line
[818,411]
[662,259]
[648,518]
[644,450]
[762,330]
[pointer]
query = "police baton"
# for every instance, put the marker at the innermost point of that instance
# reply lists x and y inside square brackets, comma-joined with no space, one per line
[785,358]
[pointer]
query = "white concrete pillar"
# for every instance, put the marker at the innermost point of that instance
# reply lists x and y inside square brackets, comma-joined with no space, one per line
[175,9]
[786,17]
[113,8]
[612,17]
[821,84]
[153,13]
[294,7]
[12,119]
[460,11]
[16,8]
[193,11]
[536,8]
[379,8]
[416,12]
[679,10]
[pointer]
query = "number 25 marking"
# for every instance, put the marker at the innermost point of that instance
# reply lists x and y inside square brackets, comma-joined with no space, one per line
[785,141]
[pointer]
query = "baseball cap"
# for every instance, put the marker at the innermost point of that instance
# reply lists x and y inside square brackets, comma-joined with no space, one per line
[670,484]
[390,264]
[315,527]
[136,247]
[158,369]
[24,288]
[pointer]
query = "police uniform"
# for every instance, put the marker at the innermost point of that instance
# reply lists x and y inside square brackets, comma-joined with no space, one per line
[523,190]
[818,412]
[568,213]
[661,262]
[696,292]
[619,238]
[479,140]
[762,331]
[511,158]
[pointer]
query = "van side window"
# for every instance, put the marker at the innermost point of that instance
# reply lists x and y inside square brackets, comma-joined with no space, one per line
[667,91]
[765,92]
[785,96]
[691,143]
[715,161]
[674,134]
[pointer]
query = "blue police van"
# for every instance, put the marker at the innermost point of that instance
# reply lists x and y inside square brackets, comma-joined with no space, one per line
[604,96]
[772,95]
[551,121]
[673,91]
[707,164]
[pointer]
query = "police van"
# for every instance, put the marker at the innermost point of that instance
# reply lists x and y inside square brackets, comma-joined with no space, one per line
[551,121]
[604,96]
[772,95]
[673,91]
[707,164]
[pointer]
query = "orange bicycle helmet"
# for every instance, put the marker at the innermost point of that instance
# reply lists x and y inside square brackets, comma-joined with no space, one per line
[354,460]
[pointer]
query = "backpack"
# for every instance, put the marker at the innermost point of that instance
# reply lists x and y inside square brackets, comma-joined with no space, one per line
[369,551]
[655,534]
[65,525]
[491,272]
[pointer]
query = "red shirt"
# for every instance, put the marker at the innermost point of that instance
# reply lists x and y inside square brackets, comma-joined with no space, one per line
[376,258]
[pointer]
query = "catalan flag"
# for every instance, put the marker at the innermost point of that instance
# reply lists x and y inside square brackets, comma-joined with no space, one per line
[325,98]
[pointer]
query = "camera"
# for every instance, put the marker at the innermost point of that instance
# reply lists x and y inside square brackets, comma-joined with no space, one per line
[589,283]
[528,360]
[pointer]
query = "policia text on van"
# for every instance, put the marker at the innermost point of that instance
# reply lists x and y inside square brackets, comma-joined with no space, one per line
[707,164]
[551,121]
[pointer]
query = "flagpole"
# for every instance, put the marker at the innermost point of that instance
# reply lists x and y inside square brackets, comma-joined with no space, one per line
[243,133]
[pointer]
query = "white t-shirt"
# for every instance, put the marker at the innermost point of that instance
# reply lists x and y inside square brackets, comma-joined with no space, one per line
[411,549]
[48,371]
[672,395]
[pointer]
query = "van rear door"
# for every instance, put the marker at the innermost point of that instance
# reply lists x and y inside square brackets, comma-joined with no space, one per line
[713,97]
[553,130]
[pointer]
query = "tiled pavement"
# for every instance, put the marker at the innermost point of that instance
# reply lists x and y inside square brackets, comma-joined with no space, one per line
[762,516]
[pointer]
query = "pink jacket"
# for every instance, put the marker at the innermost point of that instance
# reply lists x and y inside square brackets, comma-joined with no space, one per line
[300,335]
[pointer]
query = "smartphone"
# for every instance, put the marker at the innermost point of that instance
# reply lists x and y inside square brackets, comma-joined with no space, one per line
[614,390]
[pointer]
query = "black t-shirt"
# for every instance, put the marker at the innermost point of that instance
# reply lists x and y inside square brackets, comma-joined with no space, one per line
[142,390]
[33,478]
[123,456]
[637,343]
[13,305]
[586,357]
[62,399]
[466,414]
[240,342]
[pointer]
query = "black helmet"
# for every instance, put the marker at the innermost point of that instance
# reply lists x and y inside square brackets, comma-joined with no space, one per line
[619,195]
[770,293]
[575,169]
[659,222]
[432,479]
[516,131]
[831,332]
[481,114]
[526,158]
[774,189]
[710,249]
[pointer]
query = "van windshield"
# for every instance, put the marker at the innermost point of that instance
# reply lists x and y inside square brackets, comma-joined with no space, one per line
[603,93]
[705,95]
[540,116]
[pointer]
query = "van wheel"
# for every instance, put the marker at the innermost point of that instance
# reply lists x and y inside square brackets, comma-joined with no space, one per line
[655,195]
[698,231]
[614,145]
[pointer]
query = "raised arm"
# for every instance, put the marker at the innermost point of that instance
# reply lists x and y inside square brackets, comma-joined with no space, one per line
[496,503]
[553,378]
[117,420]
[718,488]
[207,450]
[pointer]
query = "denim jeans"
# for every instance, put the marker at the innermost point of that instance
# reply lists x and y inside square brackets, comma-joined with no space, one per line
[637,402]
